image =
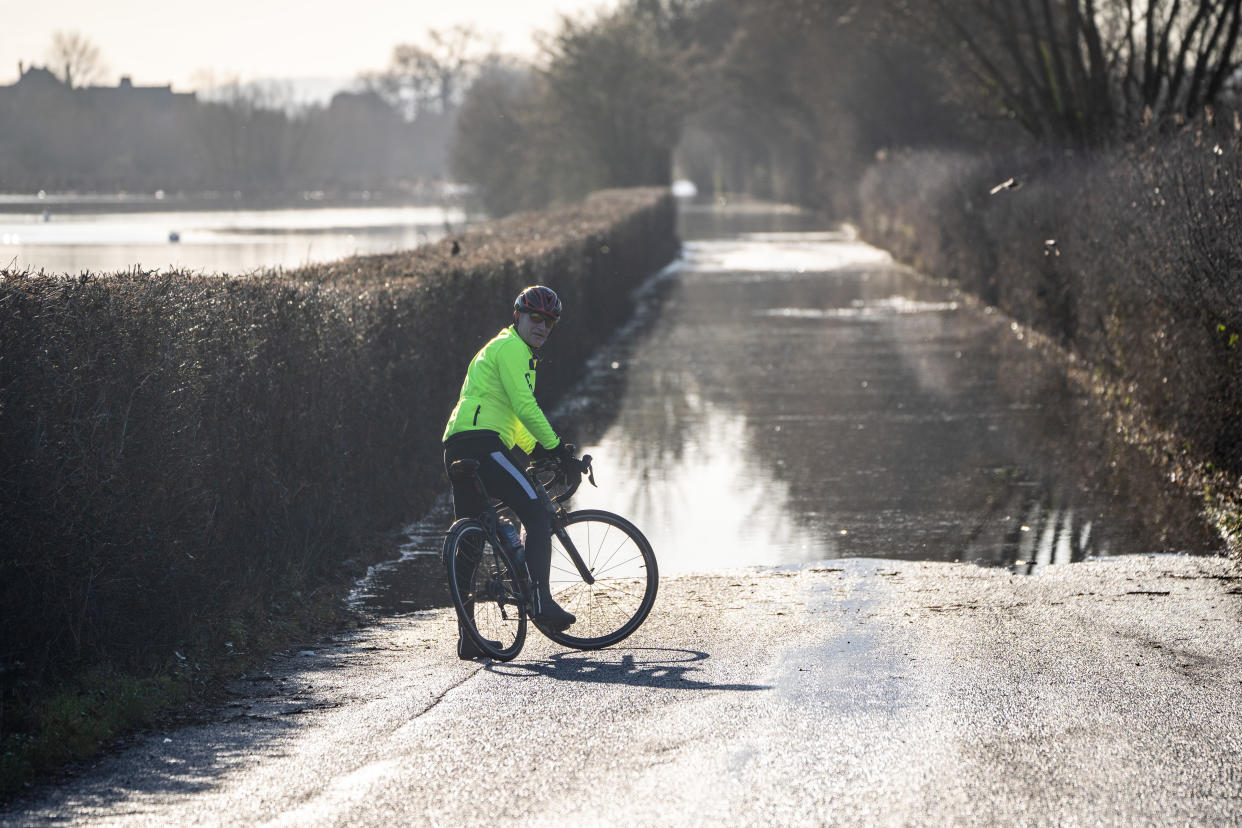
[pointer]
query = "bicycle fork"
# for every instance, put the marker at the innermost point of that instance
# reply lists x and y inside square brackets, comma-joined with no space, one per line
[563,536]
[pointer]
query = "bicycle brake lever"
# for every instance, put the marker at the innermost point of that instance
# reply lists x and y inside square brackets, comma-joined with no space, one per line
[586,467]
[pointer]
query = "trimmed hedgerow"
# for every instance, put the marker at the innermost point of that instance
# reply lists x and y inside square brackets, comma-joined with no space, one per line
[181,453]
[1130,259]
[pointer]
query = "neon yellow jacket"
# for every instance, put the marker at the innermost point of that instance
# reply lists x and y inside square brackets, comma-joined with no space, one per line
[499,395]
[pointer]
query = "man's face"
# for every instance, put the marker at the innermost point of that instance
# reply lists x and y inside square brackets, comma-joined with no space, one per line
[534,328]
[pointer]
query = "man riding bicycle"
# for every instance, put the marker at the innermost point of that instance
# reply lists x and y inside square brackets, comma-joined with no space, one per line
[496,413]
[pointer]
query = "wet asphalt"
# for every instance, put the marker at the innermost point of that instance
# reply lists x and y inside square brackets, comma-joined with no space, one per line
[852,692]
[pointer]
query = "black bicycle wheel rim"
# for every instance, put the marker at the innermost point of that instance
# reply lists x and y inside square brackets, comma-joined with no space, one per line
[489,603]
[627,578]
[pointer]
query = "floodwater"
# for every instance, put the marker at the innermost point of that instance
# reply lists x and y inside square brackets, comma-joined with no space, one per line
[787,394]
[72,238]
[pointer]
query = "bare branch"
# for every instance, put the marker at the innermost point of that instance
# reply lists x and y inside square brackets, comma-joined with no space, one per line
[1202,64]
[75,59]
[1225,65]
[1179,69]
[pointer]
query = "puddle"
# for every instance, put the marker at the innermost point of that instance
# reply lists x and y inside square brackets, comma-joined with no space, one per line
[414,581]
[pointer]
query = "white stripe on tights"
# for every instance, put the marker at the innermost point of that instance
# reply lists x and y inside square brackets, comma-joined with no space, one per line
[511,469]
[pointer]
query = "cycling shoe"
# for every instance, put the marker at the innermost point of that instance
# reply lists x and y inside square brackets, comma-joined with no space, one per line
[553,617]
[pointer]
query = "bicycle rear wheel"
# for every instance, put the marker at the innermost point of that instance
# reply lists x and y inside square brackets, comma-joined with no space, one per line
[486,590]
[626,578]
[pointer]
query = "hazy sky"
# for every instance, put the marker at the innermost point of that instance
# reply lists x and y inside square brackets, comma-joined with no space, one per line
[158,42]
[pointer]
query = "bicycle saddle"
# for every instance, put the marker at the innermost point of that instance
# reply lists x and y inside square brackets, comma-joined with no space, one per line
[463,469]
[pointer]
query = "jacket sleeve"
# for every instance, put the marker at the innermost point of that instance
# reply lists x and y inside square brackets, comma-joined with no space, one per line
[517,378]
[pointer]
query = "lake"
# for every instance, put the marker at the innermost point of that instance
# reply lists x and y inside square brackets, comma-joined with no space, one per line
[65,235]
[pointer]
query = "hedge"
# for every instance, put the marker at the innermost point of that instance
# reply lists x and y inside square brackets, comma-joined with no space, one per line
[181,452]
[1129,260]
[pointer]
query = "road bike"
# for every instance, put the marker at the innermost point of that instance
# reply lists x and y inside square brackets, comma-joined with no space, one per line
[603,569]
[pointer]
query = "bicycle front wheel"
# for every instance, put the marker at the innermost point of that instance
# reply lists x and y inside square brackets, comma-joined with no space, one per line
[626,578]
[486,590]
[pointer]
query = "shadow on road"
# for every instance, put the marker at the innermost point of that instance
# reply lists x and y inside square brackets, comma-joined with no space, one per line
[638,666]
[192,760]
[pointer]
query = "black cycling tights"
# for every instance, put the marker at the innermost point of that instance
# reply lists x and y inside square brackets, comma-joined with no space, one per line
[505,481]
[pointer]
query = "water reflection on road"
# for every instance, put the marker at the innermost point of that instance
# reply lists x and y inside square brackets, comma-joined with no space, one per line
[787,394]
[794,396]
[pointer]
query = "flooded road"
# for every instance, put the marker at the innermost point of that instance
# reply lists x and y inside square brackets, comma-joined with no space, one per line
[796,396]
[788,394]
[780,397]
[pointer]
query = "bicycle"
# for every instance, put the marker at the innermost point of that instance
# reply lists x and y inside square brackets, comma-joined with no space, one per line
[603,568]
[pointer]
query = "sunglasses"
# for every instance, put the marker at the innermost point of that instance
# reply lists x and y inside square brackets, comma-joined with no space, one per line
[542,318]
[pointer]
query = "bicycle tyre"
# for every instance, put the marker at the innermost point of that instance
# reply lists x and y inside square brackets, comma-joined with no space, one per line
[486,590]
[627,578]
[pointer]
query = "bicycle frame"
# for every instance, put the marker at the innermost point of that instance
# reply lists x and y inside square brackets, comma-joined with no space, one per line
[556,512]
[468,471]
[609,604]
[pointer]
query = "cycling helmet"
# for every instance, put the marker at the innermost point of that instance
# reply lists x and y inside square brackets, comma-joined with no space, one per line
[537,299]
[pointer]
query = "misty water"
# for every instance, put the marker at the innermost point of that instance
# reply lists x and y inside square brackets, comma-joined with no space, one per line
[63,235]
[787,394]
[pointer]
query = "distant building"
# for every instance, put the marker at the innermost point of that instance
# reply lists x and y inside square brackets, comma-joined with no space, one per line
[36,77]
[125,93]
[39,81]
[57,137]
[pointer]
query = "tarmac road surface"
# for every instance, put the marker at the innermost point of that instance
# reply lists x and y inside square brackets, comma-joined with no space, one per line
[846,692]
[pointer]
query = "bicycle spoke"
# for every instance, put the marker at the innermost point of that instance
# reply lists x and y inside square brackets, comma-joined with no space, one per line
[623,579]
[485,590]
[614,600]
[573,572]
[603,572]
[594,556]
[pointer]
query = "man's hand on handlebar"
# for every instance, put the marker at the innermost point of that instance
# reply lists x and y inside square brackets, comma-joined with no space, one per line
[570,464]
[563,454]
[561,459]
[569,468]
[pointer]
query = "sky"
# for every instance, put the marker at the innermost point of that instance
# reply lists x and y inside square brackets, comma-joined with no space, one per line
[156,42]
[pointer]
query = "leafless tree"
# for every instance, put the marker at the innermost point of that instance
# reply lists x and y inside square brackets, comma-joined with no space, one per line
[499,146]
[1175,57]
[75,59]
[431,77]
[604,108]
[1072,71]
[253,135]
[618,91]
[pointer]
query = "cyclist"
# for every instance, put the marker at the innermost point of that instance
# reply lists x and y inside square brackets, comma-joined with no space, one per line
[496,413]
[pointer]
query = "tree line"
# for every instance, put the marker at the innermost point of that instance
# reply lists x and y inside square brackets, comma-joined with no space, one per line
[790,99]
[794,98]
[389,132]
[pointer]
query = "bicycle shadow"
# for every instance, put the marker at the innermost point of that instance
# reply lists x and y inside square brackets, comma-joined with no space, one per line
[664,667]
